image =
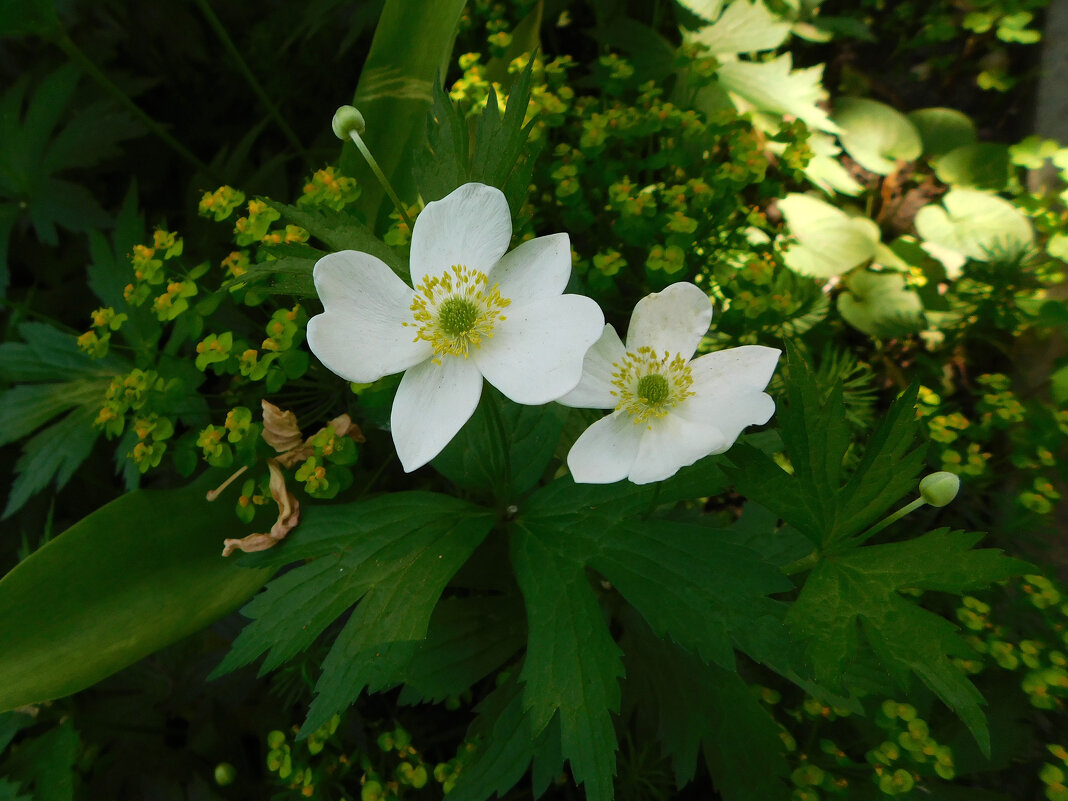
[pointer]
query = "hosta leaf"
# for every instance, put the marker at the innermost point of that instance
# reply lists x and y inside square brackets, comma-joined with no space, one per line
[858,591]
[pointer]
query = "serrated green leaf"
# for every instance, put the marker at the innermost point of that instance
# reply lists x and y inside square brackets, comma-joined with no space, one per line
[48,354]
[53,453]
[339,230]
[744,27]
[442,164]
[504,448]
[46,763]
[572,668]
[9,791]
[816,436]
[774,86]
[693,706]
[26,407]
[468,639]
[284,276]
[862,586]
[134,576]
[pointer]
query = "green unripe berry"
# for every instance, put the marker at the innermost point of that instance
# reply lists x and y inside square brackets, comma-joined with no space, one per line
[225,773]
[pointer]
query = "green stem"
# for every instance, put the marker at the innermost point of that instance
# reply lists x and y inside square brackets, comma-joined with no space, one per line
[802,564]
[228,43]
[356,140]
[73,52]
[888,520]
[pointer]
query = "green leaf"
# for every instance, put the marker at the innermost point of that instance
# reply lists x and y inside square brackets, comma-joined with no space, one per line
[26,407]
[825,168]
[47,763]
[977,225]
[134,576]
[339,230]
[859,591]
[982,165]
[876,135]
[744,27]
[442,164]
[816,436]
[880,304]
[504,448]
[54,453]
[468,639]
[942,129]
[691,705]
[393,554]
[573,666]
[10,792]
[774,86]
[48,354]
[829,241]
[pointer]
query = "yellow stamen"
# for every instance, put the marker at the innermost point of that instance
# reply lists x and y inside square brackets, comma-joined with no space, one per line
[649,385]
[455,311]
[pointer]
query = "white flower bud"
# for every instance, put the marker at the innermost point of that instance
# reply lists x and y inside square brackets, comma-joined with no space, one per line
[346,120]
[938,489]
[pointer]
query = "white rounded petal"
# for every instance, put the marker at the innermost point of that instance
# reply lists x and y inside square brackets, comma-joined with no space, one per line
[672,320]
[729,412]
[471,226]
[433,402]
[535,355]
[746,367]
[361,335]
[595,389]
[671,443]
[605,451]
[539,268]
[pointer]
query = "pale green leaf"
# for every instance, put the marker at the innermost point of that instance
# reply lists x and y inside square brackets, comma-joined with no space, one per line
[744,27]
[880,304]
[875,135]
[830,242]
[942,129]
[976,225]
[775,87]
[825,168]
[982,165]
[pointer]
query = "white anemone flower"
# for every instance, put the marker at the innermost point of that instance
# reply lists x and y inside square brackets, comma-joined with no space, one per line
[475,312]
[670,409]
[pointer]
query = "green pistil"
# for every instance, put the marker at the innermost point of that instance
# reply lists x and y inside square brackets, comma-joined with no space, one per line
[457,316]
[653,389]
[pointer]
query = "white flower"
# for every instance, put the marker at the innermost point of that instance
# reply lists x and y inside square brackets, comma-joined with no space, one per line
[669,411]
[475,313]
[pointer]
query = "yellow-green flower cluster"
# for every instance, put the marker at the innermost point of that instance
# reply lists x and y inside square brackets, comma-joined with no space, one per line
[221,203]
[147,263]
[96,340]
[152,431]
[253,227]
[130,392]
[327,188]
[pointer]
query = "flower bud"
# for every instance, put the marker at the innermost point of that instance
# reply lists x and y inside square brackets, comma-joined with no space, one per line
[346,120]
[938,489]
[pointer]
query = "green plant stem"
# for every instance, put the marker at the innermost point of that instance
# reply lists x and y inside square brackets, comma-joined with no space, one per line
[366,153]
[889,519]
[228,44]
[802,564]
[74,53]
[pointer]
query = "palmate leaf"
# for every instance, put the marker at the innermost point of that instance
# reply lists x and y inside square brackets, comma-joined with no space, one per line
[693,707]
[393,554]
[815,434]
[858,591]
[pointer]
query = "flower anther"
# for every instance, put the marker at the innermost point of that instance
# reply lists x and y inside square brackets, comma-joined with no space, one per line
[669,409]
[456,311]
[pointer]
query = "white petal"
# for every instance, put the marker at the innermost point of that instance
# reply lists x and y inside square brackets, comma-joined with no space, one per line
[471,226]
[536,353]
[361,336]
[727,387]
[670,443]
[672,320]
[598,368]
[538,268]
[605,451]
[433,402]
[746,367]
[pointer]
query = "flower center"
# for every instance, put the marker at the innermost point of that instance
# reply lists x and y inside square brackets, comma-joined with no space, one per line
[648,385]
[456,310]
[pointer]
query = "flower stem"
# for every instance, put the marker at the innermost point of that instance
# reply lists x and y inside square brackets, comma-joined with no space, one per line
[228,44]
[74,53]
[356,140]
[802,564]
[889,519]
